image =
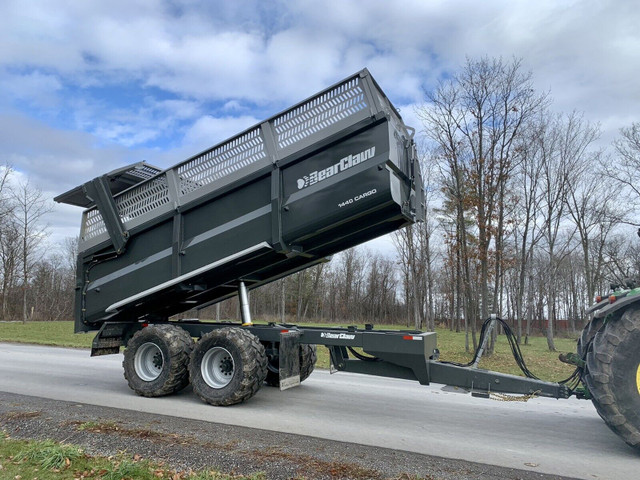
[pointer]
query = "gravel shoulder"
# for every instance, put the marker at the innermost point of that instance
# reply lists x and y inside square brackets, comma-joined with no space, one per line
[187,444]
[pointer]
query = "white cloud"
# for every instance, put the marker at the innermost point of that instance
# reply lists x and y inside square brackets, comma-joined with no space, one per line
[208,131]
[54,159]
[198,72]
[36,88]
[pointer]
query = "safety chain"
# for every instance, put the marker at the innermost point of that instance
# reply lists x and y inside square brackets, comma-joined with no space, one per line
[501,397]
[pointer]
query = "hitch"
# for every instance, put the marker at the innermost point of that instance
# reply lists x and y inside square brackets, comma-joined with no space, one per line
[572,359]
[485,382]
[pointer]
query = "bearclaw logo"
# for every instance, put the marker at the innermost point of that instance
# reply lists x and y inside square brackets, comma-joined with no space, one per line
[337,336]
[344,164]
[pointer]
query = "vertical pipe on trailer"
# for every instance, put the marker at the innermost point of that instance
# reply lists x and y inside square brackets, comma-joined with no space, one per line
[244,306]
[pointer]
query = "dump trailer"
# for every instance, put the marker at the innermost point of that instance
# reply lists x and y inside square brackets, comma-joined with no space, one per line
[336,170]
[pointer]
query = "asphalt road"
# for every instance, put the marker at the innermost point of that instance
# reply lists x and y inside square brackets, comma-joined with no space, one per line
[561,437]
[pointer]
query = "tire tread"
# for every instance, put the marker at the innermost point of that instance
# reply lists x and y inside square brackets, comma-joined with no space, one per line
[599,374]
[254,367]
[180,345]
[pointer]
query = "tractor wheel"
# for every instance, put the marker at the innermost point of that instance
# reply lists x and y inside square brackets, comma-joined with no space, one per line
[613,375]
[228,366]
[308,358]
[588,332]
[156,359]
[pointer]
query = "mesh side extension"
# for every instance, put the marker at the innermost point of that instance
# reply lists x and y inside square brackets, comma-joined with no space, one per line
[131,204]
[93,224]
[143,198]
[144,171]
[221,161]
[335,105]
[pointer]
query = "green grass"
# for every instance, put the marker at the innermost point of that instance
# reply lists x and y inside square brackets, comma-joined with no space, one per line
[58,334]
[48,454]
[539,359]
[49,460]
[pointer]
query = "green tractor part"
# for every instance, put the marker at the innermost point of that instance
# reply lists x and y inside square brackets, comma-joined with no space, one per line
[609,354]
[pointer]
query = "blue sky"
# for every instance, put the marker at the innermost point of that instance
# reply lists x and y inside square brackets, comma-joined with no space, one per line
[91,86]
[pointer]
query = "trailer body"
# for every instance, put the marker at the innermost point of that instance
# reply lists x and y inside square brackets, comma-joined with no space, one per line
[333,171]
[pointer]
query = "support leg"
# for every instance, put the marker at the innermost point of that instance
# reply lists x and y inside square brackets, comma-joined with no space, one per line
[244,305]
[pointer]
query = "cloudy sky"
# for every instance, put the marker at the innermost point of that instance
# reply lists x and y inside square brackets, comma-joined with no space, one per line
[91,86]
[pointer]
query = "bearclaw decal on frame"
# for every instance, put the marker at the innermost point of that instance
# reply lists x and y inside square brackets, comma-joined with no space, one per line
[344,164]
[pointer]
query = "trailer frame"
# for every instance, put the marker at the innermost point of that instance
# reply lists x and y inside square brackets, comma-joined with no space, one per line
[403,354]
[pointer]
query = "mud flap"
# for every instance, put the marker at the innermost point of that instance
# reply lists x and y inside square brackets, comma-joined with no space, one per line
[289,357]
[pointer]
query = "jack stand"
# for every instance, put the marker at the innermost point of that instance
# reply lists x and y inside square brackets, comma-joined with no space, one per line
[245,314]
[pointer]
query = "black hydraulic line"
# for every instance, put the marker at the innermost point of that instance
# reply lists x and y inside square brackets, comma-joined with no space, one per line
[365,358]
[572,381]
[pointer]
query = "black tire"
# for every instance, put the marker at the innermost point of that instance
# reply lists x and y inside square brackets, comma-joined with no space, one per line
[156,360]
[588,332]
[228,366]
[308,358]
[585,345]
[613,375]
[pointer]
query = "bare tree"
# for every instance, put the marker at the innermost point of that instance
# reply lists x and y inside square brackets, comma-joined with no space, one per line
[626,170]
[527,232]
[30,207]
[407,242]
[592,205]
[563,148]
[8,237]
[475,118]
[10,256]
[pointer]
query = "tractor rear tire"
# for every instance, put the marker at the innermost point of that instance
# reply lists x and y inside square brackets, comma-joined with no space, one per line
[156,359]
[227,366]
[588,332]
[308,358]
[613,375]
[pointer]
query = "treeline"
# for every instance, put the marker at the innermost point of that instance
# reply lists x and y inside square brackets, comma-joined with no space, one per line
[356,286]
[37,280]
[528,201]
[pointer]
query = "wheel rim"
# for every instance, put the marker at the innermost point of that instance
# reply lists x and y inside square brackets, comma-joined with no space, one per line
[217,367]
[149,362]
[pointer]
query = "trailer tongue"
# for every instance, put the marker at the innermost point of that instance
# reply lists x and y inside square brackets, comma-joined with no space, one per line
[331,172]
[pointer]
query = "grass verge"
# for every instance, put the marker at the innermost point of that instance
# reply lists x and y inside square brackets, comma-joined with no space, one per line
[59,334]
[49,460]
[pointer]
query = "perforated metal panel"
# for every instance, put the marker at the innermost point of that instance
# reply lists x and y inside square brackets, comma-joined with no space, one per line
[131,204]
[218,162]
[143,198]
[319,113]
[93,225]
[144,171]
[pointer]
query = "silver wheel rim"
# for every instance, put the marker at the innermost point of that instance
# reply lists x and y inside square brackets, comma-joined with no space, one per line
[217,367]
[148,362]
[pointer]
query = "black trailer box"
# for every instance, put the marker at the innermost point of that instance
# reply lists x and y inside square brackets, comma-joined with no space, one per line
[331,172]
